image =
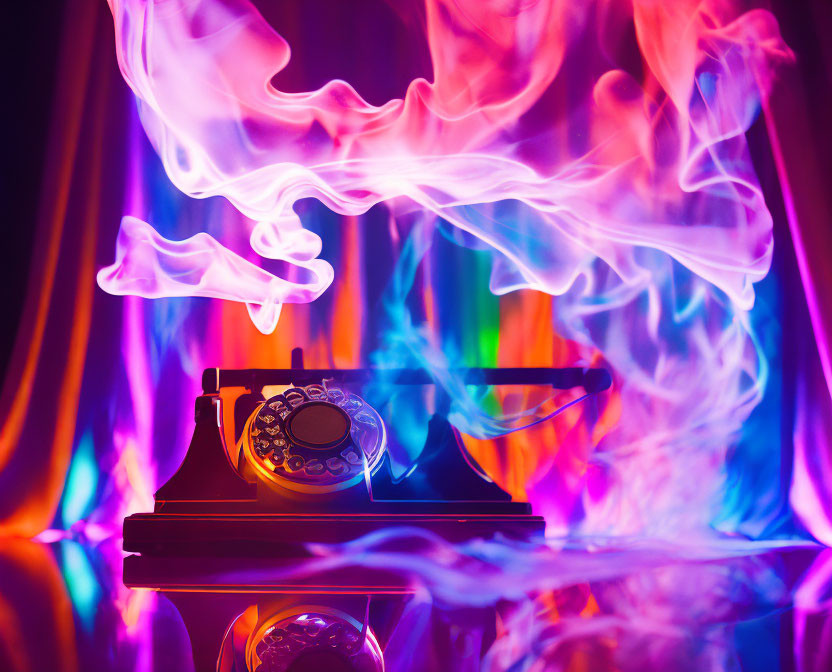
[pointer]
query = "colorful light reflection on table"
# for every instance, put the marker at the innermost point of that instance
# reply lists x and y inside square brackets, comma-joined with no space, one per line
[604,605]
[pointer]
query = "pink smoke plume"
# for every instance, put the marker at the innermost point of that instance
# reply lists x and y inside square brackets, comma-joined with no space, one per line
[661,163]
[150,266]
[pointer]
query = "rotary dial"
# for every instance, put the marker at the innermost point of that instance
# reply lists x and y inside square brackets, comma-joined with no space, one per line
[315,439]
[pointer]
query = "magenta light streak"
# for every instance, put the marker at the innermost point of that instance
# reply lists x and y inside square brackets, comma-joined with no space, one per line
[821,337]
[811,436]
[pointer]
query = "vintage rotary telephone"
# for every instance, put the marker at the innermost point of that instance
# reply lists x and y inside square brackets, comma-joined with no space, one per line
[309,464]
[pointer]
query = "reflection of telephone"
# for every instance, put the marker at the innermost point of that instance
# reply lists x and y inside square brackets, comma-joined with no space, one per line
[279,615]
[249,615]
[309,637]
[309,464]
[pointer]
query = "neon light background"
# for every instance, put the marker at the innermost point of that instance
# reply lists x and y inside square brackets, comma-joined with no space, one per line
[716,424]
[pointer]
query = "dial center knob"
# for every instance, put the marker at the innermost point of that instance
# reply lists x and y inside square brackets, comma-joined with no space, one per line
[318,425]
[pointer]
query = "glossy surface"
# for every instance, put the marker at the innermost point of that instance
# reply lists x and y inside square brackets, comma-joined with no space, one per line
[719,605]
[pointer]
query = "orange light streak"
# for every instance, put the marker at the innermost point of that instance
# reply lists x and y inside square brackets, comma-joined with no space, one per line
[348,314]
[515,461]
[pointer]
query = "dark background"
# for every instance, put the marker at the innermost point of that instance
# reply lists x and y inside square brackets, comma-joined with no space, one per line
[29,63]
